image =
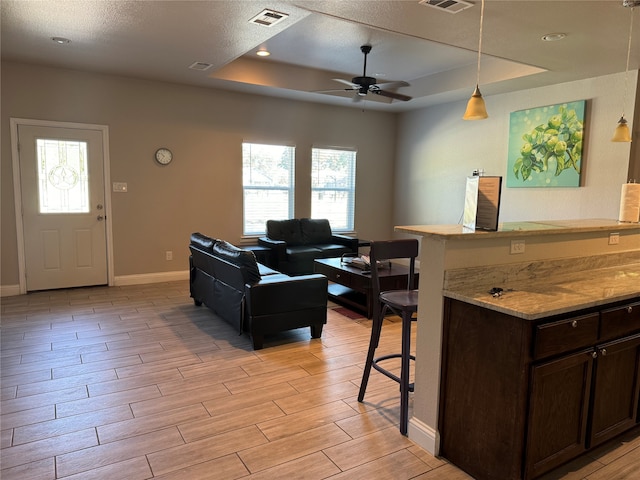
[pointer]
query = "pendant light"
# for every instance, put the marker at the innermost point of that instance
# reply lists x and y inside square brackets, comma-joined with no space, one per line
[622,133]
[476,109]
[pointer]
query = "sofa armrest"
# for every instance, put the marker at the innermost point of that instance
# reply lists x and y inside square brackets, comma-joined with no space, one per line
[279,248]
[347,241]
[280,293]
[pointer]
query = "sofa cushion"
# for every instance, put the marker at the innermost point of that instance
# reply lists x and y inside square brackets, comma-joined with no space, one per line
[245,259]
[302,252]
[332,250]
[315,231]
[202,241]
[285,230]
[265,271]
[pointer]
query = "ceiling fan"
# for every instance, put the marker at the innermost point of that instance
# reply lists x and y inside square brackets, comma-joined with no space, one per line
[363,85]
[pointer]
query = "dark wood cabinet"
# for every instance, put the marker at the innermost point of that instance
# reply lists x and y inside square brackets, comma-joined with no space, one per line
[558,412]
[521,397]
[615,389]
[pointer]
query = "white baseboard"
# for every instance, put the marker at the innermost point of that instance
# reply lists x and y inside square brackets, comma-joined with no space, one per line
[424,436]
[150,278]
[9,290]
[12,290]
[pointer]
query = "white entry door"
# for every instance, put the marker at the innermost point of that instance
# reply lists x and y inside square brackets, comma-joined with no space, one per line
[63,207]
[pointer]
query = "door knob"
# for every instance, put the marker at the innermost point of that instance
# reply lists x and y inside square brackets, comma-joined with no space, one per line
[100,218]
[99,206]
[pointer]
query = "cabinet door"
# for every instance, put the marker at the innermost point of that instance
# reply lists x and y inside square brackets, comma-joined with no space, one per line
[558,411]
[616,387]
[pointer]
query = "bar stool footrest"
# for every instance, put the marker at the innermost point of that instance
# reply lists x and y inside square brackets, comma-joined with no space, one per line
[386,372]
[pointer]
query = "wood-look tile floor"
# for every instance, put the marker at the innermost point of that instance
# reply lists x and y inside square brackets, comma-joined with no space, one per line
[136,382]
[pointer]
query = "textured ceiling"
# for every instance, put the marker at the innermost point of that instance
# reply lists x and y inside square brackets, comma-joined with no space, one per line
[435,51]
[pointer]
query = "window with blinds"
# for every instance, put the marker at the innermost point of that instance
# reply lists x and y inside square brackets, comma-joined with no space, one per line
[268,185]
[333,187]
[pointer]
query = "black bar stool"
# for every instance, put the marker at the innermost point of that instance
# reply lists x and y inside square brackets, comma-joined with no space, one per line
[401,302]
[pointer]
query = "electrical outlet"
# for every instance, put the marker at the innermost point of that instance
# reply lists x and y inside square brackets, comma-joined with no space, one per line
[517,246]
[614,238]
[168,255]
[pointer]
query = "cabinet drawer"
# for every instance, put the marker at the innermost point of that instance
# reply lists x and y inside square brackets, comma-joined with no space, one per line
[338,277]
[565,335]
[619,321]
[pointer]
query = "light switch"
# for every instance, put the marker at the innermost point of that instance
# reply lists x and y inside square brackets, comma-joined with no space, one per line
[119,187]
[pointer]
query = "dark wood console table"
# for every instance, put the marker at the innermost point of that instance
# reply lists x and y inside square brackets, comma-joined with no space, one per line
[351,286]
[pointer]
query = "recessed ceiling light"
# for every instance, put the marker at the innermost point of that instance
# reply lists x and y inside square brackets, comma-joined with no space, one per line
[553,37]
[61,40]
[263,53]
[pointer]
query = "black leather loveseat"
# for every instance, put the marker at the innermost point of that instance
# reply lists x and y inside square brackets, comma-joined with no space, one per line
[250,296]
[297,242]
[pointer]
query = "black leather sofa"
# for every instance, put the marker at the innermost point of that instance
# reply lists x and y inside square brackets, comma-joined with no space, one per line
[297,242]
[253,297]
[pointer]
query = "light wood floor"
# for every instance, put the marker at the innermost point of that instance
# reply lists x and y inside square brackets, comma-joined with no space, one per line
[136,382]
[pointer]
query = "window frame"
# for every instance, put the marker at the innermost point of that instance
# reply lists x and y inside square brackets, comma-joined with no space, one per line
[290,189]
[350,189]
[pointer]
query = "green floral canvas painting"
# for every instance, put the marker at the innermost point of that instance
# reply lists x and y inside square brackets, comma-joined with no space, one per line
[545,146]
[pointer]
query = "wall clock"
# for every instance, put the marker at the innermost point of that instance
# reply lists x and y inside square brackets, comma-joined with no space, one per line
[164,156]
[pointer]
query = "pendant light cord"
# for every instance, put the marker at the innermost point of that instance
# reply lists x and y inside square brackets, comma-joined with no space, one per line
[626,74]
[480,43]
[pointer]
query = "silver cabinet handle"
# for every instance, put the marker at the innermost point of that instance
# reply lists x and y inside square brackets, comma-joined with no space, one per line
[574,324]
[629,309]
[603,351]
[594,354]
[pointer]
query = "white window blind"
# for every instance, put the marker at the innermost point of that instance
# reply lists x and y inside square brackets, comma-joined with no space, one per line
[268,184]
[333,187]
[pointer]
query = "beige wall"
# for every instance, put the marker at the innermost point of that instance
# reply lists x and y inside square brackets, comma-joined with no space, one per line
[201,190]
[438,150]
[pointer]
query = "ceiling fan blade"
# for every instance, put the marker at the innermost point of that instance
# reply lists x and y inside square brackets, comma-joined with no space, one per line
[334,91]
[394,95]
[397,84]
[346,82]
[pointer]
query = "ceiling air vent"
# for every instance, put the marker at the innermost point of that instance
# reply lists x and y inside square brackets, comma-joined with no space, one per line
[451,6]
[200,66]
[268,18]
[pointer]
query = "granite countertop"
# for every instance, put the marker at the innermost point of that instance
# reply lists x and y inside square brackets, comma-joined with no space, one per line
[547,295]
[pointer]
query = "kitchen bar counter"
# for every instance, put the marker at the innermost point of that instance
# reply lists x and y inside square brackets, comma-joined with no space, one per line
[521,229]
[555,267]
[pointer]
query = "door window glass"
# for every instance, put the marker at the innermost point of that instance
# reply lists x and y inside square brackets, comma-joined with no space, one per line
[63,180]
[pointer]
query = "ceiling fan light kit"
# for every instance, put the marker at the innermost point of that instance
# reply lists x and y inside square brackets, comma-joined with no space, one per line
[364,84]
[476,109]
[622,132]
